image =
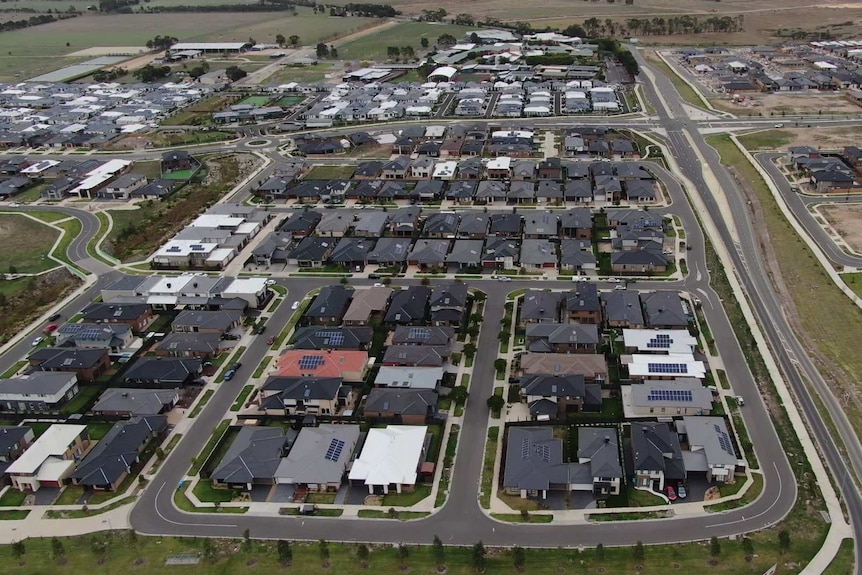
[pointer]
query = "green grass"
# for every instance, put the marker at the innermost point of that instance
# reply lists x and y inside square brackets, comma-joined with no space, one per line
[89,511]
[518,518]
[182,501]
[279,289]
[748,497]
[317,512]
[488,467]
[47,216]
[87,395]
[233,359]
[373,47]
[206,493]
[26,244]
[638,498]
[12,498]
[854,282]
[70,495]
[202,402]
[302,74]
[14,369]
[294,319]
[262,366]
[331,172]
[685,91]
[13,515]
[240,400]
[97,430]
[766,140]
[448,460]
[208,448]
[399,515]
[633,516]
[407,499]
[722,379]
[256,100]
[72,230]
[320,498]
[842,563]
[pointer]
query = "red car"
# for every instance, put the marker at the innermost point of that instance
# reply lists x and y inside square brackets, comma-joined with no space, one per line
[50,327]
[271,340]
[671,493]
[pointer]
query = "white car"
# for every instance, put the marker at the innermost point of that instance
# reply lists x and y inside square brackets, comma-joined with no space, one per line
[740,400]
[620,287]
[270,282]
[294,305]
[504,279]
[37,341]
[379,285]
[615,280]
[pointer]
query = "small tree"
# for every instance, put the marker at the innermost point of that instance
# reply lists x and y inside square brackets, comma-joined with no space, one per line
[477,557]
[504,335]
[401,553]
[439,552]
[323,549]
[747,546]
[500,364]
[424,42]
[18,549]
[208,551]
[362,553]
[600,552]
[294,40]
[469,349]
[285,553]
[57,549]
[13,269]
[783,540]
[160,454]
[426,281]
[476,317]
[638,551]
[246,540]
[280,40]
[496,403]
[519,558]
[714,546]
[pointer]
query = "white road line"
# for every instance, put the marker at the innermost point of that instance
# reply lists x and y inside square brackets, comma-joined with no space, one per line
[764,512]
[156,505]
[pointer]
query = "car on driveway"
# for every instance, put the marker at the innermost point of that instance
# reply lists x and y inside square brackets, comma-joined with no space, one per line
[671,493]
[681,490]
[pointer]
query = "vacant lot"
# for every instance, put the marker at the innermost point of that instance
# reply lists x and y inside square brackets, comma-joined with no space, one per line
[24,299]
[373,47]
[778,105]
[846,220]
[25,244]
[43,48]
[302,74]
[827,138]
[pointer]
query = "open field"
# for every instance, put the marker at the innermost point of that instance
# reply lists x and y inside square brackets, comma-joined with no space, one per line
[25,244]
[25,298]
[780,105]
[304,74]
[374,46]
[39,49]
[828,138]
[766,140]
[846,220]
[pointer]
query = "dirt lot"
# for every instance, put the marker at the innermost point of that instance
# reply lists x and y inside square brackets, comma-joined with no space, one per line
[97,51]
[828,138]
[846,220]
[808,103]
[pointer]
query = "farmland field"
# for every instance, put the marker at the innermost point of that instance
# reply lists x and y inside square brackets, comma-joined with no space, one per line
[407,34]
[303,74]
[31,51]
[25,244]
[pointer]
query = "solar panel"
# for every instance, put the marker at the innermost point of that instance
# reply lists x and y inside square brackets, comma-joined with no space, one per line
[311,361]
[333,453]
[525,449]
[544,452]
[724,440]
[667,367]
[670,395]
[419,333]
[333,338]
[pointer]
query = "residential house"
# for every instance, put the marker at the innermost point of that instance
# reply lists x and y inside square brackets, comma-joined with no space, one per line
[427,190]
[666,398]
[404,222]
[389,252]
[130,401]
[304,395]
[541,225]
[203,346]
[593,367]
[409,377]
[177,161]
[521,192]
[415,355]
[301,223]
[577,223]
[539,306]
[164,372]
[391,458]
[406,406]
[136,316]
[582,304]
[38,391]
[396,169]
[710,449]
[421,168]
[562,338]
[409,306]
[466,253]
[366,305]
[334,224]
[428,253]
[538,255]
[656,456]
[501,253]
[311,252]
[623,309]
[118,453]
[548,192]
[329,306]
[664,310]
[114,337]
[491,191]
[87,364]
[448,304]
[505,225]
[599,448]
[315,337]
[577,256]
[51,459]
[252,458]
[473,225]
[350,365]
[441,225]
[550,169]
[352,253]
[196,321]
[319,458]
[553,396]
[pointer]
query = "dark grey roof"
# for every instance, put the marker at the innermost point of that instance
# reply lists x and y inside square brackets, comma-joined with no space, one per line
[600,445]
[115,454]
[303,388]
[67,359]
[467,252]
[473,223]
[577,218]
[501,248]
[550,385]
[254,455]
[623,306]
[429,251]
[646,258]
[217,320]
[316,337]
[534,459]
[540,305]
[313,249]
[390,250]
[135,401]
[584,297]
[166,370]
[408,305]
[415,355]
[538,252]
[401,401]
[428,335]
[201,342]
[505,223]
[332,301]
[312,458]
[576,253]
[441,223]
[114,312]
[10,436]
[664,308]
[655,447]
[301,221]
[452,295]
[541,223]
[36,384]
[541,337]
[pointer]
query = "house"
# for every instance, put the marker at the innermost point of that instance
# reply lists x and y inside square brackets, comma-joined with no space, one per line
[177,161]
[539,306]
[592,367]
[113,337]
[521,192]
[164,372]
[390,458]
[505,225]
[599,447]
[350,365]
[577,256]
[441,225]
[389,252]
[638,262]
[550,169]
[38,391]
[490,191]
[252,459]
[396,169]
[406,406]
[562,338]
[273,249]
[623,309]
[541,225]
[367,304]
[311,252]
[501,253]
[666,341]
[87,364]
[421,168]
[415,355]
[538,255]
[370,170]
[319,458]
[334,224]
[123,187]
[552,396]
[423,336]
[577,223]
[473,225]
[129,401]
[448,304]
[136,316]
[664,310]
[301,223]
[642,366]
[663,399]
[51,459]
[409,306]
[115,456]
[466,253]
[427,190]
[196,321]
[582,304]
[304,395]
[198,345]
[656,456]
[428,253]
[329,306]
[315,337]
[579,191]
[710,449]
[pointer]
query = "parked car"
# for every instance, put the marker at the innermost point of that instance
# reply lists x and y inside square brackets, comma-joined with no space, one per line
[294,305]
[740,400]
[580,279]
[671,493]
[620,287]
[504,279]
[50,327]
[260,329]
[270,282]
[37,341]
[54,317]
[228,375]
[374,276]
[270,340]
[681,490]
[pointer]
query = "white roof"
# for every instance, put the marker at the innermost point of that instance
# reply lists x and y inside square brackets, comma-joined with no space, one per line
[409,377]
[220,255]
[170,284]
[390,455]
[40,166]
[660,340]
[101,174]
[445,169]
[676,365]
[241,286]
[162,300]
[445,71]
[823,65]
[207,46]
[55,469]
[216,221]
[511,134]
[54,441]
[182,248]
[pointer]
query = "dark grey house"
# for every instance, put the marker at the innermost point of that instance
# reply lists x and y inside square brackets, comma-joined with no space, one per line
[252,458]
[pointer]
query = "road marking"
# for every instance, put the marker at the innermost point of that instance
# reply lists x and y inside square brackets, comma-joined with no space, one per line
[156,506]
[764,512]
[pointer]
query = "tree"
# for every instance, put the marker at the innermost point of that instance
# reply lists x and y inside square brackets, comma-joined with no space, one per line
[12,269]
[747,546]
[439,552]
[469,349]
[285,553]
[500,364]
[638,551]
[209,551]
[600,552]
[464,20]
[280,40]
[477,557]
[783,540]
[473,331]
[519,558]
[294,40]
[503,335]
[18,549]
[402,553]
[234,73]
[246,540]
[323,549]
[322,50]
[4,301]
[446,40]
[476,317]
[407,52]
[333,52]
[714,546]
[496,403]
[458,394]
[362,553]
[57,549]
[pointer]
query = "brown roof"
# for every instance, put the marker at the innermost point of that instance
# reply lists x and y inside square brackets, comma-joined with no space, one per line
[367,301]
[587,364]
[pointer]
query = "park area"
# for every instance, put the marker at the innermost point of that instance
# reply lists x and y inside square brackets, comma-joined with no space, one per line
[26,245]
[373,46]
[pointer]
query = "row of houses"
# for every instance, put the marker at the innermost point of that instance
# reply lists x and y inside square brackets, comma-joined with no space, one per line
[827,173]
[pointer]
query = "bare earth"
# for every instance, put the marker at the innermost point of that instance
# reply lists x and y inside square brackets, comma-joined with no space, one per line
[828,138]
[808,103]
[109,51]
[846,220]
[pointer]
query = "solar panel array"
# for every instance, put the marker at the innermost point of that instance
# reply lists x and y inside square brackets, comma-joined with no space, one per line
[333,453]
[667,367]
[670,395]
[544,451]
[525,449]
[724,440]
[311,361]
[334,338]
[419,333]
[660,341]
[91,333]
